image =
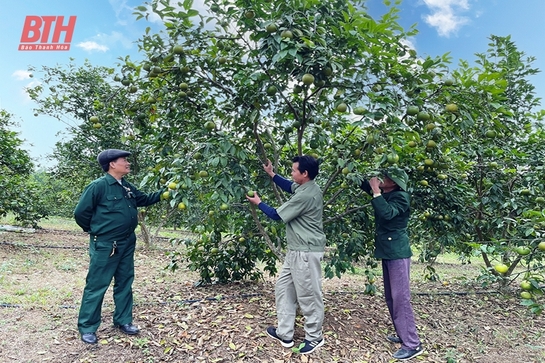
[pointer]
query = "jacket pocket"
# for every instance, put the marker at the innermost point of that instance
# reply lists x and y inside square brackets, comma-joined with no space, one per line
[114,202]
[387,244]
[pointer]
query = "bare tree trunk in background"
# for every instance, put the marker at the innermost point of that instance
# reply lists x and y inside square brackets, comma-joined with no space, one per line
[163,221]
[146,235]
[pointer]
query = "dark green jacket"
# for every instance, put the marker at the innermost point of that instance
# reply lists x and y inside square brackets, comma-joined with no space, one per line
[392,212]
[108,211]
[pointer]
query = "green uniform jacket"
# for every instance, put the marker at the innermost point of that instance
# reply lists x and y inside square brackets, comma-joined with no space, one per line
[392,212]
[107,209]
[302,214]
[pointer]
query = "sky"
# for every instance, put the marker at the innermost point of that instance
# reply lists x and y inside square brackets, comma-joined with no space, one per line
[107,29]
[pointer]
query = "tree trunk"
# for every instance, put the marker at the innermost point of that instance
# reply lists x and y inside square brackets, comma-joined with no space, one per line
[146,235]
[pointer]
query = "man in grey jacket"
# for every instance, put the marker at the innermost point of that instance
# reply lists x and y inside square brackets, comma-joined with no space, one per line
[300,280]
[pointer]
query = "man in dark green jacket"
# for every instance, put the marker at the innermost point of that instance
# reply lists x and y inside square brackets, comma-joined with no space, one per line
[107,210]
[391,204]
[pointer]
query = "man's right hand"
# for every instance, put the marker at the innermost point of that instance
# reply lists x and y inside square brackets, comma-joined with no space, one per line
[374,183]
[269,168]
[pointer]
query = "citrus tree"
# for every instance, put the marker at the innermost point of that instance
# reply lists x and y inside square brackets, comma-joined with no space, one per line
[56,194]
[224,89]
[98,115]
[226,86]
[18,195]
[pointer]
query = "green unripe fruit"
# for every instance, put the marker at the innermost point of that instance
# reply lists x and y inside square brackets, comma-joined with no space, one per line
[342,107]
[451,107]
[271,28]
[413,110]
[423,116]
[359,110]
[178,49]
[271,91]
[286,34]
[308,79]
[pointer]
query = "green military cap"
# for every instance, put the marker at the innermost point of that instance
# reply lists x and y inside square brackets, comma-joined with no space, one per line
[398,176]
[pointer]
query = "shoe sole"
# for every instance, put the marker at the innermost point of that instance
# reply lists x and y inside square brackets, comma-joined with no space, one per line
[90,343]
[412,356]
[316,347]
[284,344]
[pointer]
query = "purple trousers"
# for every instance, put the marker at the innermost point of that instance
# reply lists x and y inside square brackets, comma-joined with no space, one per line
[398,299]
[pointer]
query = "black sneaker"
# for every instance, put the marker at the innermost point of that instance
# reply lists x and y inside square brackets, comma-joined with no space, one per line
[271,331]
[308,347]
[393,339]
[406,354]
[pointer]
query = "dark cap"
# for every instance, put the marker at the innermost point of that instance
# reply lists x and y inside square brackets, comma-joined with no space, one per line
[108,155]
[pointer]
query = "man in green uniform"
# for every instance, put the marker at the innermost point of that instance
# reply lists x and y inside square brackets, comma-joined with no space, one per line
[107,210]
[391,204]
[300,281]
